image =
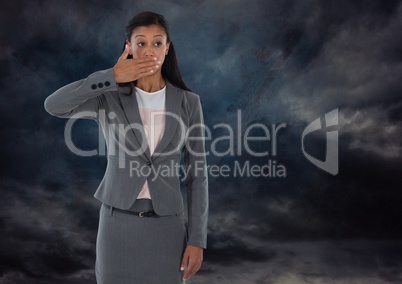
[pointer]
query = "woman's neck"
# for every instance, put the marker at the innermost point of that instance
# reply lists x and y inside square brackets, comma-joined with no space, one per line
[151,83]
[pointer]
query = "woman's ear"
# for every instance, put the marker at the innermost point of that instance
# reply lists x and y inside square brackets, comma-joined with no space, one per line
[129,46]
[127,43]
[167,48]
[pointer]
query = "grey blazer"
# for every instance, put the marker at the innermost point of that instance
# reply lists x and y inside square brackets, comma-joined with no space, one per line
[98,97]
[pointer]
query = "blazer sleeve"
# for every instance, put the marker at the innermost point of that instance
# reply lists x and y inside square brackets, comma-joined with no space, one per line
[197,179]
[82,98]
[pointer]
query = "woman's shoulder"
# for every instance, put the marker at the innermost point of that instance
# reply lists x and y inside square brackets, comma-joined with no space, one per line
[189,96]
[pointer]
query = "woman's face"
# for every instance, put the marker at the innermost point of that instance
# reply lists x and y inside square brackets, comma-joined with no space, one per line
[149,41]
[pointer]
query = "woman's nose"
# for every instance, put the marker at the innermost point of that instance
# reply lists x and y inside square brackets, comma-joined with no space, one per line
[149,52]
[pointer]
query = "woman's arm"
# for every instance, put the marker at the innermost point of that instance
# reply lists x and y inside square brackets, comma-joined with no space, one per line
[81,96]
[85,95]
[197,179]
[197,193]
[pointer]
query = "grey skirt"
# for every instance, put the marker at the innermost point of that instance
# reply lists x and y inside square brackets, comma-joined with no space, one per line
[144,250]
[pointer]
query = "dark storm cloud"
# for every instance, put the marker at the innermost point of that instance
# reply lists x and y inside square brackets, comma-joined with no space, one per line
[226,250]
[279,62]
[46,232]
[319,262]
[349,71]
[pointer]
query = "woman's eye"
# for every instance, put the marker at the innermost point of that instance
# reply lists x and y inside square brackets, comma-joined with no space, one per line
[158,43]
[141,43]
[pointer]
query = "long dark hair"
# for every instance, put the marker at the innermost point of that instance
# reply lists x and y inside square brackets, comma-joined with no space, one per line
[170,67]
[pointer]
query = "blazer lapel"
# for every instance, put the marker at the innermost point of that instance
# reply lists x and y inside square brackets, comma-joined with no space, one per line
[172,108]
[130,107]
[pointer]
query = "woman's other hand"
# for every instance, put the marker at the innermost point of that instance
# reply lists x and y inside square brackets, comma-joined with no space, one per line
[192,260]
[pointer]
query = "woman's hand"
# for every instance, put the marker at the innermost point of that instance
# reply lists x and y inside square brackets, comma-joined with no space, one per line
[192,260]
[128,70]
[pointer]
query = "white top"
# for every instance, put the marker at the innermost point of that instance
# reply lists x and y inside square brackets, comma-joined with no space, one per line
[152,110]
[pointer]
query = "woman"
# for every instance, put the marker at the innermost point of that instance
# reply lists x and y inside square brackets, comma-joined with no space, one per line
[151,121]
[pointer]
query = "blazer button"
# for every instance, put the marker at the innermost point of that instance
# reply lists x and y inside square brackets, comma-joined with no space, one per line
[93,87]
[149,163]
[100,85]
[107,83]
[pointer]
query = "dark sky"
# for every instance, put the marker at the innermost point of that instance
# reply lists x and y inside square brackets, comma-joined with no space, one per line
[278,62]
